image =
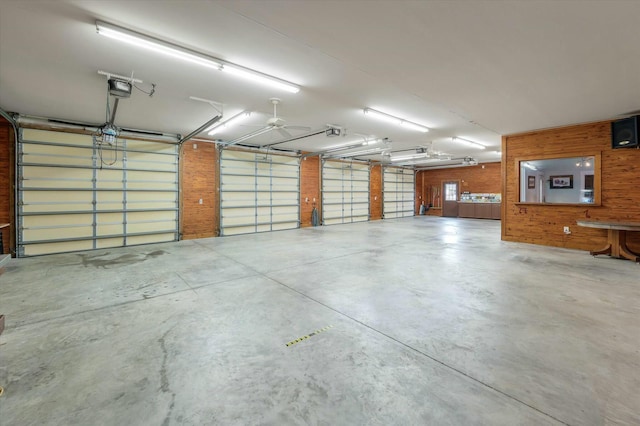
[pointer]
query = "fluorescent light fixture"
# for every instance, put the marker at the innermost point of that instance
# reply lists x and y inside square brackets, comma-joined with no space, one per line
[383,116]
[230,122]
[345,145]
[362,152]
[150,43]
[430,160]
[173,50]
[354,144]
[530,166]
[260,78]
[409,157]
[468,142]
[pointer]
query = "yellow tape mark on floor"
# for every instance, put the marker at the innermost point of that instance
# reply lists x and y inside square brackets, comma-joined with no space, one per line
[305,337]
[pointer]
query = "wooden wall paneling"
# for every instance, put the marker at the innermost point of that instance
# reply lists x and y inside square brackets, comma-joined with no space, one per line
[543,224]
[482,178]
[419,196]
[309,189]
[199,181]
[375,192]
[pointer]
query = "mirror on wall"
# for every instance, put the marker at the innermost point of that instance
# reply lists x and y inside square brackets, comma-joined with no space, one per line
[565,180]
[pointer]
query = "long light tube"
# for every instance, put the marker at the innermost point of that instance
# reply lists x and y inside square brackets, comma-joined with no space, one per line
[395,120]
[364,152]
[430,160]
[353,144]
[260,78]
[230,122]
[170,49]
[468,142]
[150,43]
[409,157]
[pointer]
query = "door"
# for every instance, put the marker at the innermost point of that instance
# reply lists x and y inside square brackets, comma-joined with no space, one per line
[345,192]
[398,190]
[77,194]
[450,203]
[258,192]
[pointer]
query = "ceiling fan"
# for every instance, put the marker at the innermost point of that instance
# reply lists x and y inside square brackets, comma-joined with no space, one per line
[273,123]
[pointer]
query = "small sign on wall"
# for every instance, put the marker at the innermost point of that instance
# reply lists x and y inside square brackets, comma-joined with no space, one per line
[531,182]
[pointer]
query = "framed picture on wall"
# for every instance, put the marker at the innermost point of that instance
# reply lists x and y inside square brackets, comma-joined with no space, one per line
[531,182]
[558,182]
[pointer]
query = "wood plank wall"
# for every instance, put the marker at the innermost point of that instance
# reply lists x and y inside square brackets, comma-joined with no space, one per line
[199,180]
[6,185]
[375,192]
[543,224]
[483,178]
[309,189]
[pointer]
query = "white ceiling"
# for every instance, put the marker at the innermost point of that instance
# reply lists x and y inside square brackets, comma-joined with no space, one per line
[472,69]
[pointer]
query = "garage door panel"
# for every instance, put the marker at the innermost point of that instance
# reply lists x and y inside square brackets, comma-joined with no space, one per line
[42,233]
[47,136]
[398,192]
[58,220]
[56,177]
[56,150]
[238,230]
[345,192]
[65,196]
[63,207]
[106,229]
[156,196]
[258,191]
[109,179]
[54,201]
[133,240]
[166,216]
[60,247]
[357,197]
[109,243]
[285,173]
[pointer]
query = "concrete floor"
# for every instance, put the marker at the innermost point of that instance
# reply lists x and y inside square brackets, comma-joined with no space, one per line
[430,321]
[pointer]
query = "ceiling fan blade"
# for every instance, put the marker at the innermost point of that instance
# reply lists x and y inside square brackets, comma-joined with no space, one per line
[284,133]
[250,135]
[305,128]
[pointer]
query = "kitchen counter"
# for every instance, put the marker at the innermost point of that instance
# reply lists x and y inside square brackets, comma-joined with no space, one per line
[479,210]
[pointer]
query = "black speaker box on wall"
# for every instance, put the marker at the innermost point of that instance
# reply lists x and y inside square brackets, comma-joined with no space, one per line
[624,133]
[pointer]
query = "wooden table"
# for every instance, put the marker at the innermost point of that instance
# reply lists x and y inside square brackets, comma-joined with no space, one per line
[616,238]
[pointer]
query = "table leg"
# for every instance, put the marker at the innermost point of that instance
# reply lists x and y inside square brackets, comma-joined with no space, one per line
[607,249]
[621,250]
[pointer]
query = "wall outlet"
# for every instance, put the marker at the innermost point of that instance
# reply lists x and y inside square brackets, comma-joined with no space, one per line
[567,230]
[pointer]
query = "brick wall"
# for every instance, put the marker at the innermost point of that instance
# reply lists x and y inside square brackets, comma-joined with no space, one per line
[199,181]
[375,193]
[6,179]
[309,189]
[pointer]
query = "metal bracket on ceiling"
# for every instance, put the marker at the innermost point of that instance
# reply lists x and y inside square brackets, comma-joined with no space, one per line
[218,106]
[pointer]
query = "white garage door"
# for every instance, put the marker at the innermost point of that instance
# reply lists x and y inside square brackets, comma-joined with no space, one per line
[72,195]
[345,192]
[258,192]
[398,191]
